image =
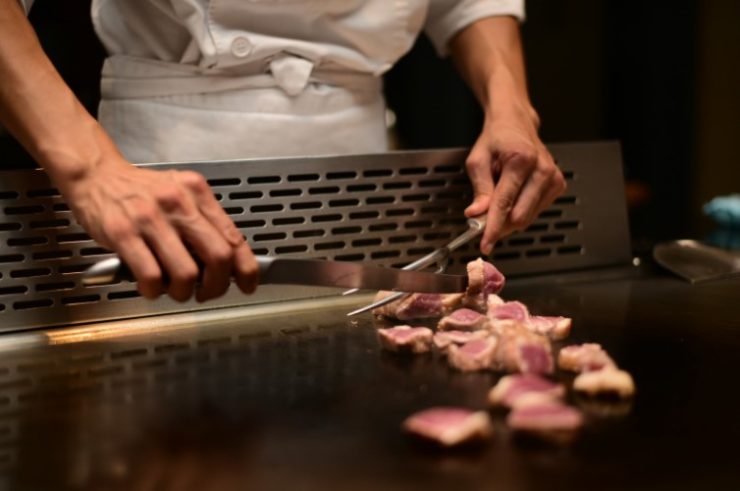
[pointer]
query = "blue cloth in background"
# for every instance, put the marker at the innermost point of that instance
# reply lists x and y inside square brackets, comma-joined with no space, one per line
[725,210]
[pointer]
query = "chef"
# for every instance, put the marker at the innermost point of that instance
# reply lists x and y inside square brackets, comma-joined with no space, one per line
[220,79]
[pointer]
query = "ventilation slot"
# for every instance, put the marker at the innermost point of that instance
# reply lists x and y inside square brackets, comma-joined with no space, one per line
[24,210]
[341,175]
[58,223]
[79,237]
[291,249]
[33,304]
[288,221]
[250,223]
[356,188]
[43,193]
[123,295]
[301,234]
[8,195]
[324,190]
[27,241]
[246,195]
[28,273]
[303,178]
[4,227]
[216,183]
[310,205]
[80,299]
[567,225]
[56,286]
[281,193]
[377,173]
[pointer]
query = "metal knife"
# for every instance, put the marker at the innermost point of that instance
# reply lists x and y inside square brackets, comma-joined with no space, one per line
[315,272]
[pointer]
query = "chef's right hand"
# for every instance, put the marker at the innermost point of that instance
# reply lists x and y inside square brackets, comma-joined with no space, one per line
[152,219]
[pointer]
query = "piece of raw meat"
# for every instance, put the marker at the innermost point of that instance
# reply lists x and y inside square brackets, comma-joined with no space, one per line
[443,339]
[473,355]
[555,328]
[406,338]
[449,426]
[419,305]
[544,418]
[584,358]
[512,390]
[463,320]
[483,279]
[607,381]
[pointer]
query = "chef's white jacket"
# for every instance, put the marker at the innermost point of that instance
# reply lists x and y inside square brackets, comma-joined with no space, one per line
[221,79]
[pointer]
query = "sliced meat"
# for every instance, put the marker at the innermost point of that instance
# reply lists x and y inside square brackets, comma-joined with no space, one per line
[534,356]
[406,338]
[419,305]
[473,355]
[449,426]
[584,358]
[514,310]
[544,418]
[524,389]
[520,350]
[463,320]
[443,340]
[555,328]
[483,280]
[607,381]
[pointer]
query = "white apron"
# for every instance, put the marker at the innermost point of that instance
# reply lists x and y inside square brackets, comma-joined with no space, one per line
[224,79]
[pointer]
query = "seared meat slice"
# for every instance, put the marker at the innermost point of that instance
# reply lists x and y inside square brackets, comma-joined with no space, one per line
[419,305]
[555,328]
[449,426]
[514,310]
[483,279]
[584,358]
[463,320]
[607,381]
[406,338]
[520,350]
[544,418]
[503,313]
[443,340]
[473,355]
[512,390]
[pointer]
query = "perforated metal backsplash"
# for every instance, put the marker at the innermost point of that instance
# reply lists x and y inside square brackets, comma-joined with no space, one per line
[386,209]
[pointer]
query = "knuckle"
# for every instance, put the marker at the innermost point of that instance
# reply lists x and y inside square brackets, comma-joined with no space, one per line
[194,180]
[522,157]
[221,255]
[171,197]
[118,230]
[145,214]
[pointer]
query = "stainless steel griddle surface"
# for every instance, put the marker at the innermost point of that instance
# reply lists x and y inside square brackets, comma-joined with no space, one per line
[305,400]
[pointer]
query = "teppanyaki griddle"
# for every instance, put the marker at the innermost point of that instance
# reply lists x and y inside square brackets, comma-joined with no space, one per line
[298,397]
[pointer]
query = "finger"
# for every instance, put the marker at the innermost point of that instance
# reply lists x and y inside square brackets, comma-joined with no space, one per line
[480,172]
[176,260]
[143,265]
[245,269]
[535,189]
[210,208]
[216,254]
[553,192]
[513,176]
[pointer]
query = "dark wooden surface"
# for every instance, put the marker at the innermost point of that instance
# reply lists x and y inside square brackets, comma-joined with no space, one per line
[307,401]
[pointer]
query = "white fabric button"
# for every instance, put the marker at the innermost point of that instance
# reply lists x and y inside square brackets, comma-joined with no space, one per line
[241,47]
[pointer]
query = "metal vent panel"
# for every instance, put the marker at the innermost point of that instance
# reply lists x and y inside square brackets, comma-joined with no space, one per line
[386,209]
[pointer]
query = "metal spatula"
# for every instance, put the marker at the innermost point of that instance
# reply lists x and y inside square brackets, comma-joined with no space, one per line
[697,262]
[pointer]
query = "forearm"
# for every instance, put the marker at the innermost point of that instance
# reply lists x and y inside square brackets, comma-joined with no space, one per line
[489,55]
[39,109]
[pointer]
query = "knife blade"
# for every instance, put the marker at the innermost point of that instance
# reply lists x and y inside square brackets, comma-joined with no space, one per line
[313,272]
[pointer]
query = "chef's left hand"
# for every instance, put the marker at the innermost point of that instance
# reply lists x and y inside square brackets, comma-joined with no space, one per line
[514,176]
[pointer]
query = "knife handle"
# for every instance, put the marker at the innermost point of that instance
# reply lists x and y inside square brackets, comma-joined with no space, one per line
[113,270]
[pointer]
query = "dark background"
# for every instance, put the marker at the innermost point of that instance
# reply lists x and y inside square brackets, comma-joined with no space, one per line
[662,77]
